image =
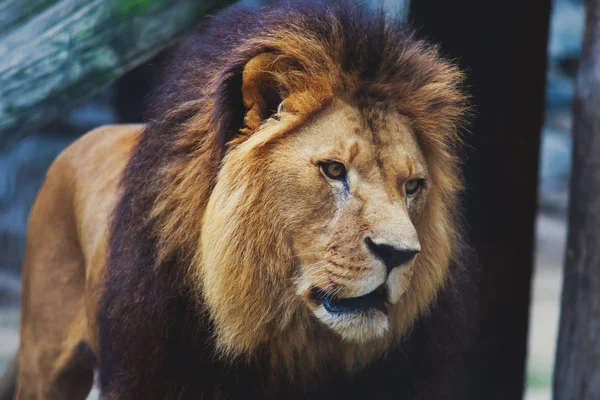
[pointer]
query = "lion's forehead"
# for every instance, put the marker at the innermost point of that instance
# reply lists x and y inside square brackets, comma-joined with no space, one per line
[369,144]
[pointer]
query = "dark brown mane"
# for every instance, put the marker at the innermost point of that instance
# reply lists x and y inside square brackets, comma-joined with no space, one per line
[155,340]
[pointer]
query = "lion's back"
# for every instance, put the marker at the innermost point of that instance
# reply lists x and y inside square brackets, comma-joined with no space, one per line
[67,231]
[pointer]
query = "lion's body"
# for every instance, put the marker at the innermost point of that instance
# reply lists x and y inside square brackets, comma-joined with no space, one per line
[212,254]
[65,262]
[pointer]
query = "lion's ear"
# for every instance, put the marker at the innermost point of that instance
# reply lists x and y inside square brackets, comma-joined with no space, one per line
[262,91]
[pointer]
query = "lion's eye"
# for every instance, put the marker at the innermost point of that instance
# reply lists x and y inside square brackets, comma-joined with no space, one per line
[413,186]
[334,170]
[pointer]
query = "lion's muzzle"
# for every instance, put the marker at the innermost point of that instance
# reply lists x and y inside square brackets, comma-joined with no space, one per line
[374,300]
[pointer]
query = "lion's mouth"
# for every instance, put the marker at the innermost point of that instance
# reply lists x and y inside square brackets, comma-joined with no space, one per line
[335,305]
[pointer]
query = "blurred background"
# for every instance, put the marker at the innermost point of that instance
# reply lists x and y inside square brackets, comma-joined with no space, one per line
[23,164]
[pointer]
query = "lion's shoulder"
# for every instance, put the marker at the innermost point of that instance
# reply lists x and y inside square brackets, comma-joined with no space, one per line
[106,140]
[89,171]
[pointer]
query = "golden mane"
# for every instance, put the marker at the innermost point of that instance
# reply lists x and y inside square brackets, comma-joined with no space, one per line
[315,54]
[331,59]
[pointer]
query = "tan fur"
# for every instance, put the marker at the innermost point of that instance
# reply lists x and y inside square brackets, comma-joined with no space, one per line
[65,262]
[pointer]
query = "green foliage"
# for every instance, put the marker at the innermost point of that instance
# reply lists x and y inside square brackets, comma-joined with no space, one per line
[135,7]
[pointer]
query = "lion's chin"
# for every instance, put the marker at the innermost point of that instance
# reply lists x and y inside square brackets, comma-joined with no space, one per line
[356,319]
[362,326]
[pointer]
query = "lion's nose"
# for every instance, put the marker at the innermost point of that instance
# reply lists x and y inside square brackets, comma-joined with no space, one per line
[391,256]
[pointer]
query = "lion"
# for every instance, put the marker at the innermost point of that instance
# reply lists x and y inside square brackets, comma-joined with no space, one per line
[286,225]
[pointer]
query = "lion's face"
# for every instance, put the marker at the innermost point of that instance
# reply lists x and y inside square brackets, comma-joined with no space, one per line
[318,226]
[361,182]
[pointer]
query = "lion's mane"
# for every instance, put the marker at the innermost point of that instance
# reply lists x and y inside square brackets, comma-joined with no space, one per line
[157,339]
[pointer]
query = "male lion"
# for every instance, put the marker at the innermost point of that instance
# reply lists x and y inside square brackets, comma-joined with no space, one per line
[284,227]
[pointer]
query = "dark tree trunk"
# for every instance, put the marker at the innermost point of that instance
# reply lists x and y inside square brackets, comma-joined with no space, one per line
[577,374]
[502,47]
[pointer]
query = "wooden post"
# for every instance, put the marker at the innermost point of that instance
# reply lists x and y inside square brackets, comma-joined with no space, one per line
[63,55]
[12,12]
[502,46]
[577,374]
